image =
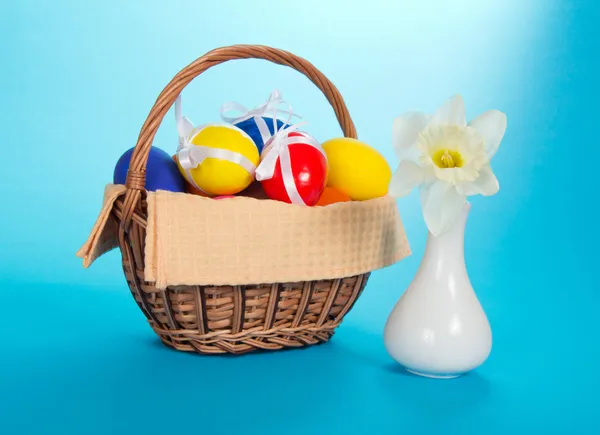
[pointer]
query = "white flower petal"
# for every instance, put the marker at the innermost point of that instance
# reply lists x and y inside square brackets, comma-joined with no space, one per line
[449,175]
[408,176]
[486,184]
[451,112]
[407,127]
[441,205]
[491,125]
[413,154]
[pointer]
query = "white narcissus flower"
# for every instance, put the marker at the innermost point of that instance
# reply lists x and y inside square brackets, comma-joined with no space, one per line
[447,158]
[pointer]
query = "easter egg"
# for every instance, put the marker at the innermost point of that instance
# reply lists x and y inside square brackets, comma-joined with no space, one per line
[216,174]
[251,129]
[331,195]
[357,169]
[161,172]
[193,190]
[308,171]
[188,187]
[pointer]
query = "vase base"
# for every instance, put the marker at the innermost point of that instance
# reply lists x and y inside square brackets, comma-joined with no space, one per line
[431,375]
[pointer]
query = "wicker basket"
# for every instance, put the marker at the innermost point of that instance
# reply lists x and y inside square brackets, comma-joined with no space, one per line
[229,319]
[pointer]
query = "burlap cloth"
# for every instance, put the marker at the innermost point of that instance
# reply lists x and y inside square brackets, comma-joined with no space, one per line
[191,240]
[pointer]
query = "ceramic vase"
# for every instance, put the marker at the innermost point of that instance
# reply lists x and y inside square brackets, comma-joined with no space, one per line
[438,328]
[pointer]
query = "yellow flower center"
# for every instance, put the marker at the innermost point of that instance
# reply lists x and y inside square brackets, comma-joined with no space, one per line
[446,158]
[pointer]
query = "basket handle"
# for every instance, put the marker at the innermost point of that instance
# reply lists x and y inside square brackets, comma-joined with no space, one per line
[136,176]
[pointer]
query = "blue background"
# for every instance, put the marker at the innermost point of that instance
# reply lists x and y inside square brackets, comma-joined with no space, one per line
[77,81]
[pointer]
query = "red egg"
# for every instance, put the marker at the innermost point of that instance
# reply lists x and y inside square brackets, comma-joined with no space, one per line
[309,171]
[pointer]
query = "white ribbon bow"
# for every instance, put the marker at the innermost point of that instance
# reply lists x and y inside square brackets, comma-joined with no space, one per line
[191,155]
[278,147]
[270,107]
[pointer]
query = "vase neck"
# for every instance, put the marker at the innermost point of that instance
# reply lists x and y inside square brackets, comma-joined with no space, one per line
[451,241]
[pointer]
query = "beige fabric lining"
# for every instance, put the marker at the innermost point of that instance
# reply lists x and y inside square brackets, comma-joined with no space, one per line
[192,240]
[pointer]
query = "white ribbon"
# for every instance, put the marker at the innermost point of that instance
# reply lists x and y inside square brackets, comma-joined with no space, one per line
[184,125]
[191,155]
[270,107]
[278,147]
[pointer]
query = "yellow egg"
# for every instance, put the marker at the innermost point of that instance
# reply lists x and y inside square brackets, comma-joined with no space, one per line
[216,176]
[357,169]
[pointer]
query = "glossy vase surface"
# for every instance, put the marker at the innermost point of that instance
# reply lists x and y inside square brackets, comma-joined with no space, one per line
[438,327]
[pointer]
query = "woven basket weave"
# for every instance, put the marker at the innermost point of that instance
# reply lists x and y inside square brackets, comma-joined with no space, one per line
[229,319]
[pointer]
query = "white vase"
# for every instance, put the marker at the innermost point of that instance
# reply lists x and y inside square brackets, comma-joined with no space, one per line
[438,328]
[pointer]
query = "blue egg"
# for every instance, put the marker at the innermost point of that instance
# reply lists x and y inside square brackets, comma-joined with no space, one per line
[162,172]
[249,127]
